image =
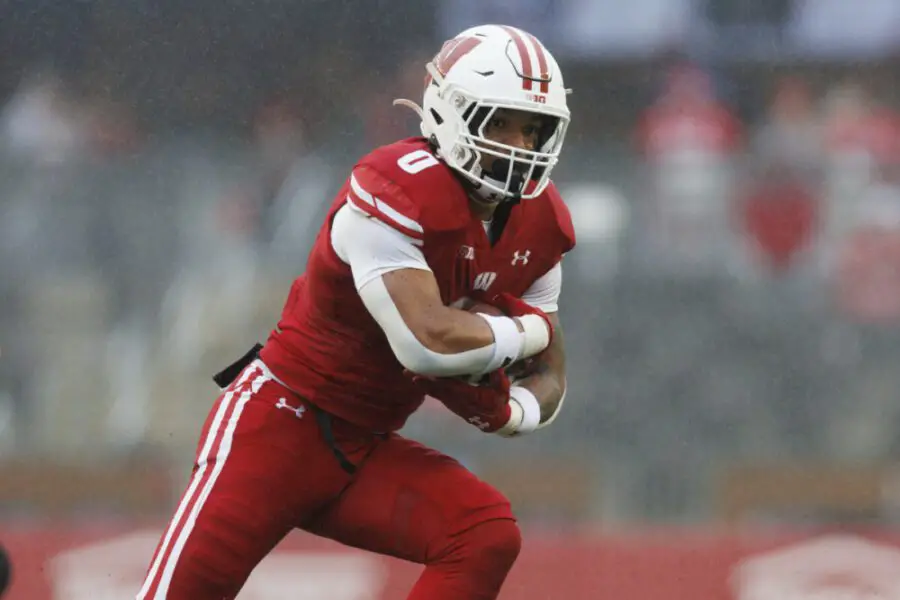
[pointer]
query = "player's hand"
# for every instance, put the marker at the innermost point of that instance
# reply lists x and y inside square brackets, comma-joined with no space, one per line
[485,405]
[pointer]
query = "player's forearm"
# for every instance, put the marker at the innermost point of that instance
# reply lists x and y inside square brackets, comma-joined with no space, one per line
[429,338]
[488,342]
[449,330]
[424,340]
[545,376]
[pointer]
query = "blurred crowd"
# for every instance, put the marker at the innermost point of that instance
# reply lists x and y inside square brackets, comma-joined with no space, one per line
[735,294]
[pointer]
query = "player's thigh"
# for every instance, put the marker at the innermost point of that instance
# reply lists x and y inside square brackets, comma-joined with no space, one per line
[409,501]
[258,467]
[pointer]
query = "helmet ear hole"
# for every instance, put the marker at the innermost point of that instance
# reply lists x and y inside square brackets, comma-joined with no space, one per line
[437,118]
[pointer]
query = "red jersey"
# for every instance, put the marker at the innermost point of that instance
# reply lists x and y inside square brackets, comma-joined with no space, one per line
[329,349]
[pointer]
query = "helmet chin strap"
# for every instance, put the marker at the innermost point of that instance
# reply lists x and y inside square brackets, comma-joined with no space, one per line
[497,176]
[500,171]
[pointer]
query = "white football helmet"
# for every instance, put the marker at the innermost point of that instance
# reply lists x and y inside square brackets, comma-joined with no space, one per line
[481,70]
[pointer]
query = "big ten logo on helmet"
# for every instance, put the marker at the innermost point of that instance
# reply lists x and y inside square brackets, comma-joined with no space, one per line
[538,98]
[484,280]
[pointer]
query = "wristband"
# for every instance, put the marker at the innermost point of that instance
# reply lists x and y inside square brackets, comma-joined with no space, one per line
[531,408]
[535,333]
[508,342]
[516,414]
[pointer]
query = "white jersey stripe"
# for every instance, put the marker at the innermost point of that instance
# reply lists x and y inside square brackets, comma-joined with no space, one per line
[353,206]
[359,191]
[383,208]
[396,216]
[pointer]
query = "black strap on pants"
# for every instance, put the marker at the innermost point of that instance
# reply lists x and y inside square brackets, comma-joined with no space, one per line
[226,376]
[324,421]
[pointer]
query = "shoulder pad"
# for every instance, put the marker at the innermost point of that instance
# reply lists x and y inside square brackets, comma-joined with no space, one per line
[406,186]
[382,199]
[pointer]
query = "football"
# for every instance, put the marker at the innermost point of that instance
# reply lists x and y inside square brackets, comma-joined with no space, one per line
[483,307]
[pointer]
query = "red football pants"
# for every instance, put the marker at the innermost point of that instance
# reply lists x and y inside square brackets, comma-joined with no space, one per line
[264,468]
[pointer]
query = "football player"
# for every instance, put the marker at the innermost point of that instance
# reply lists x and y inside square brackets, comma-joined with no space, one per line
[304,434]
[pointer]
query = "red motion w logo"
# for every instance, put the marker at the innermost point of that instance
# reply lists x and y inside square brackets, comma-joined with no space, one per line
[450,53]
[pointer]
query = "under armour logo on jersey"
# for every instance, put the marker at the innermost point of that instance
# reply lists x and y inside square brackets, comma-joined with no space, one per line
[520,258]
[297,410]
[484,280]
[467,252]
[479,423]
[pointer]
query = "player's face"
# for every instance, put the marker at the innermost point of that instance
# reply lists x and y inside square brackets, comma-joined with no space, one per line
[515,128]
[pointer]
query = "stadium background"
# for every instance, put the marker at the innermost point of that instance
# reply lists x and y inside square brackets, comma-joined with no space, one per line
[731,312]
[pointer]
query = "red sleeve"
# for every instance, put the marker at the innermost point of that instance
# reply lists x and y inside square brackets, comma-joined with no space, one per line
[382,199]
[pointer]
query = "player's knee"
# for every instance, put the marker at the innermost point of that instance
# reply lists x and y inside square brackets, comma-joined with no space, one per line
[495,543]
